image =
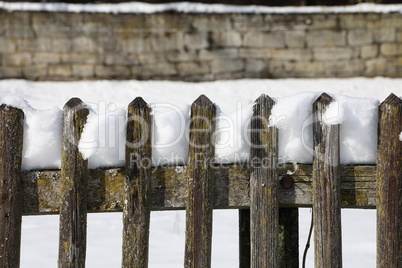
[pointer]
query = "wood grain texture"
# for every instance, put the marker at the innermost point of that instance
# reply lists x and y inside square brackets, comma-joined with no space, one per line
[200,194]
[169,188]
[389,184]
[11,141]
[73,188]
[137,186]
[264,204]
[326,189]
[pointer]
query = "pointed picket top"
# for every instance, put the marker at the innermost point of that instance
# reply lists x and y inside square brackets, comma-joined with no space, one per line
[203,101]
[73,102]
[265,100]
[392,100]
[323,99]
[138,103]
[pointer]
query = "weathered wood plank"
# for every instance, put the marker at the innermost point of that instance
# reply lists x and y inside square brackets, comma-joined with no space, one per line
[169,190]
[11,139]
[264,205]
[389,184]
[137,186]
[326,189]
[200,195]
[73,188]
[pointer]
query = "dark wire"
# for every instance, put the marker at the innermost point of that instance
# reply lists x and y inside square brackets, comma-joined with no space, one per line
[308,242]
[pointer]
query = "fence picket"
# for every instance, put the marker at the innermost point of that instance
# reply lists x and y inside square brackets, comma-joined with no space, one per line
[136,205]
[73,180]
[326,189]
[389,184]
[200,199]
[11,140]
[264,205]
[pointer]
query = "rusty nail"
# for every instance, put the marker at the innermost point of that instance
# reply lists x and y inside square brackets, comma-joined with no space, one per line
[287,182]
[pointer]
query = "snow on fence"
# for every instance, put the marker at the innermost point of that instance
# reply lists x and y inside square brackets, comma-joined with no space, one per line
[266,196]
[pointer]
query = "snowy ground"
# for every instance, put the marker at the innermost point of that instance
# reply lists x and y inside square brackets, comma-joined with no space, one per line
[40,233]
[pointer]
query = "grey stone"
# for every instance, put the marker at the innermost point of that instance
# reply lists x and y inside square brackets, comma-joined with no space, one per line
[384,35]
[226,66]
[7,45]
[83,70]
[191,68]
[225,53]
[46,57]
[295,39]
[33,45]
[326,38]
[112,71]
[10,72]
[198,40]
[391,49]
[360,37]
[264,39]
[226,39]
[62,44]
[36,71]
[334,53]
[257,53]
[81,57]
[59,70]
[166,42]
[369,51]
[17,59]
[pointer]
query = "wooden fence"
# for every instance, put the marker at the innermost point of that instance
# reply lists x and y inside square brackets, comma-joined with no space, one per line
[267,198]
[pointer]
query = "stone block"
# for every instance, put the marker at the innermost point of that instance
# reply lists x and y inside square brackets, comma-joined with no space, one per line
[151,58]
[33,45]
[334,53]
[399,36]
[294,54]
[369,51]
[136,45]
[10,72]
[264,39]
[391,49]
[360,37]
[192,68]
[226,39]
[45,57]
[326,38]
[257,66]
[255,53]
[176,56]
[7,45]
[167,41]
[36,71]
[297,69]
[121,59]
[62,44]
[154,70]
[344,68]
[211,22]
[226,53]
[83,70]
[112,71]
[19,25]
[84,44]
[295,39]
[384,35]
[17,59]
[376,67]
[353,21]
[81,57]
[227,66]
[247,22]
[197,40]
[59,70]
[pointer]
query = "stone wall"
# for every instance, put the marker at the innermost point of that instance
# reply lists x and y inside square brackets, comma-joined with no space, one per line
[198,47]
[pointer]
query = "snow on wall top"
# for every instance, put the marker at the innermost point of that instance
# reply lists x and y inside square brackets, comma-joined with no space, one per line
[185,7]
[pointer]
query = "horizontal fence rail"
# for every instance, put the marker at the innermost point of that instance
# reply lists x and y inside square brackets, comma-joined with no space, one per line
[267,196]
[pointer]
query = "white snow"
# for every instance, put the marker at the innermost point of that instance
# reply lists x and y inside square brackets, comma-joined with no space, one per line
[186,7]
[103,140]
[170,101]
